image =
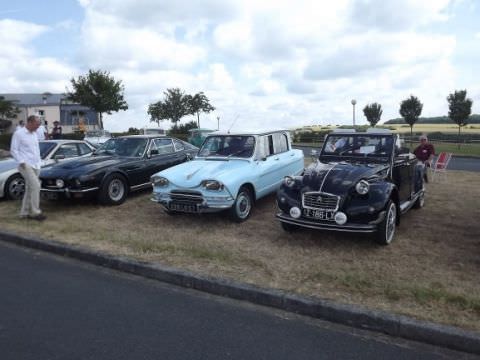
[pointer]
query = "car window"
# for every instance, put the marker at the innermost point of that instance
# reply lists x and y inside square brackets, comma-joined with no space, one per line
[83,149]
[280,143]
[164,146]
[358,145]
[127,146]
[67,150]
[46,148]
[228,146]
[178,145]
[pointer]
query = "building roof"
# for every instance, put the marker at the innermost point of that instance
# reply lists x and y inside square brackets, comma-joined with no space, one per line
[34,99]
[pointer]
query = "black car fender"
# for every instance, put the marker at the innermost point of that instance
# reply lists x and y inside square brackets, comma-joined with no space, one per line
[384,191]
[114,172]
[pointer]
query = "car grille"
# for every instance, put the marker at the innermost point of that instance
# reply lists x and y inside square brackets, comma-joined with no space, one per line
[190,197]
[319,200]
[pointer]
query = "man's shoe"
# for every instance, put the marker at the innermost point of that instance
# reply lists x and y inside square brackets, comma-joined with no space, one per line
[39,217]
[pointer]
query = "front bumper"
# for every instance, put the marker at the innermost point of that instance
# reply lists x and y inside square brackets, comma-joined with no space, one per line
[331,225]
[67,192]
[201,203]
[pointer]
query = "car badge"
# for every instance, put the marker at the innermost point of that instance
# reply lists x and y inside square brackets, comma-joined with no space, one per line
[319,199]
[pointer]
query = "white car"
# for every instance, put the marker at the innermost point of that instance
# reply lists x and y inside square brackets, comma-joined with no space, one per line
[97,137]
[12,184]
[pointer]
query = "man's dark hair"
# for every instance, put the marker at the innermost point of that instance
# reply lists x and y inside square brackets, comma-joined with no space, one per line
[32,118]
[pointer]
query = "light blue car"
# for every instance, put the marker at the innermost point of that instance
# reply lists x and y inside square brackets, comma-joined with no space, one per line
[230,172]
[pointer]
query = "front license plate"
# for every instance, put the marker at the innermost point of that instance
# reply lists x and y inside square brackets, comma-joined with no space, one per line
[183,207]
[49,195]
[318,214]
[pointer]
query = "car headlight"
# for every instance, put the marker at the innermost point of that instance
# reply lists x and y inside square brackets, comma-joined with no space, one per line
[212,185]
[362,187]
[59,183]
[159,181]
[289,181]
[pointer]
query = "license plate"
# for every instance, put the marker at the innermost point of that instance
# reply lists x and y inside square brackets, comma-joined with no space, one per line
[183,207]
[49,195]
[318,214]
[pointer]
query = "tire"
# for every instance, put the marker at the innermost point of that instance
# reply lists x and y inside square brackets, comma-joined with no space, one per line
[15,187]
[113,190]
[386,229]
[289,227]
[420,202]
[242,207]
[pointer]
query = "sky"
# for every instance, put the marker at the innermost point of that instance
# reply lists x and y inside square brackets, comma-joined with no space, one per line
[262,63]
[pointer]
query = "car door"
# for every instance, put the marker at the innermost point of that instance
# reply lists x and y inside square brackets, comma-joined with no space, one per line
[402,174]
[268,165]
[161,155]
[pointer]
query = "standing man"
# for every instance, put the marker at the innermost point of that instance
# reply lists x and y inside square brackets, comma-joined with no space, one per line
[42,132]
[425,152]
[26,151]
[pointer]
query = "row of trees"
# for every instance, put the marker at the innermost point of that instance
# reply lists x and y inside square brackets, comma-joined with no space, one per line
[460,108]
[177,104]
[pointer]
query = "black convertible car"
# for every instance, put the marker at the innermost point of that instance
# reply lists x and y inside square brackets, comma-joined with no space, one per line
[118,166]
[361,182]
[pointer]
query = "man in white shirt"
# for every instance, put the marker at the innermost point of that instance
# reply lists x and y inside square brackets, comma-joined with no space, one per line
[41,132]
[26,151]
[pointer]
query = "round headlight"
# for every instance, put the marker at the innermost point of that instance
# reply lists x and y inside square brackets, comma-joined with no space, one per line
[295,212]
[362,187]
[289,181]
[59,183]
[340,218]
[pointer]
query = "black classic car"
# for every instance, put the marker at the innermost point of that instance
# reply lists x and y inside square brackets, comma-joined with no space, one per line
[361,182]
[118,166]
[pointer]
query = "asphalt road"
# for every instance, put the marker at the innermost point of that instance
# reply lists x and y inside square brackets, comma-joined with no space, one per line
[456,163]
[57,308]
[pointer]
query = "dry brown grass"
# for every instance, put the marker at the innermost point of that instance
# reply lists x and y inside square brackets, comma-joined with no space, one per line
[430,271]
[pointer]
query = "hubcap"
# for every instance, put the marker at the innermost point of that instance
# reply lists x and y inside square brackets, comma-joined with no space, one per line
[116,190]
[16,189]
[243,205]
[391,219]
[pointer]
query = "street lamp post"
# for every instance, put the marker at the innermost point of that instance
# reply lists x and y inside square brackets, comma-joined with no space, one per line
[218,122]
[353,103]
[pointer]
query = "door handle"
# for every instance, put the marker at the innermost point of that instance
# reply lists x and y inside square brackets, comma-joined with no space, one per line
[277,158]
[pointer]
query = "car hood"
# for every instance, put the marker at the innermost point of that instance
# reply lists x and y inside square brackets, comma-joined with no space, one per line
[191,173]
[7,164]
[337,177]
[83,166]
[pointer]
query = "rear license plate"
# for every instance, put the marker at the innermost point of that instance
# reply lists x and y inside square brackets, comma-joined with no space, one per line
[183,207]
[318,214]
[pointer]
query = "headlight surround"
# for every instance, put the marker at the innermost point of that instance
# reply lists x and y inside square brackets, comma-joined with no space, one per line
[159,181]
[289,181]
[362,187]
[212,185]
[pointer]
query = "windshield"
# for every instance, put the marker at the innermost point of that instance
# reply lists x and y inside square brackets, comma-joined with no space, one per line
[131,147]
[228,146]
[45,148]
[359,145]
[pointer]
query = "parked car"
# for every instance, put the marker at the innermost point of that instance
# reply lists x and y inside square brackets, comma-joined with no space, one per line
[230,172]
[97,137]
[12,184]
[119,166]
[197,136]
[361,182]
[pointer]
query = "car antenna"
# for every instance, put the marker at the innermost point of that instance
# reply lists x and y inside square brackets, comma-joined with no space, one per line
[233,123]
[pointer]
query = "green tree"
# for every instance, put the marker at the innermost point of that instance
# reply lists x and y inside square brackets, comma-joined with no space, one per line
[199,103]
[173,107]
[373,113]
[410,110]
[459,109]
[7,110]
[99,91]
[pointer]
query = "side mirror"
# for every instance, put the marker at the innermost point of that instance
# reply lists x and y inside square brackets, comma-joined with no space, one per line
[153,152]
[59,157]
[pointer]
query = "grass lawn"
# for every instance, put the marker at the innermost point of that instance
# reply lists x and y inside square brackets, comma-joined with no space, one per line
[429,272]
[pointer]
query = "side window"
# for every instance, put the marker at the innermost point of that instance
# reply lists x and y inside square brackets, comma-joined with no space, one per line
[83,149]
[178,145]
[265,146]
[164,146]
[280,142]
[67,150]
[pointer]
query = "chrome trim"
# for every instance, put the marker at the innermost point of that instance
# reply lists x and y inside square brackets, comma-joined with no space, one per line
[317,193]
[141,185]
[325,177]
[67,190]
[358,228]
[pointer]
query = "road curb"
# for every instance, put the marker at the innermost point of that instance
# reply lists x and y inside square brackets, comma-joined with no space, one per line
[355,316]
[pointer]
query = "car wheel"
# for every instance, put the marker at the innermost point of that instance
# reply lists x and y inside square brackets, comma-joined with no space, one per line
[240,211]
[420,202]
[386,229]
[113,190]
[289,227]
[15,187]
